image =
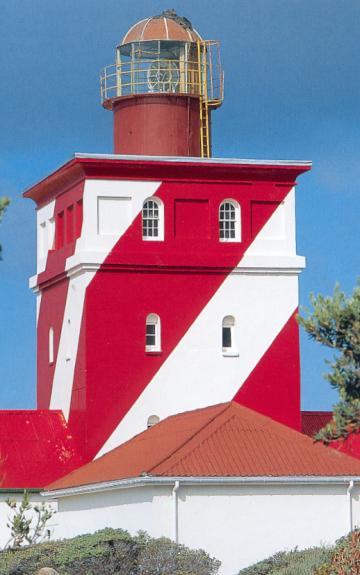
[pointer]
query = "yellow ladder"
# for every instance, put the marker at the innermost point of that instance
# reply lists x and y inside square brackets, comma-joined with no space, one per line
[204,105]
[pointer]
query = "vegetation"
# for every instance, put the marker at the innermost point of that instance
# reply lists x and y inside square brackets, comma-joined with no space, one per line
[26,521]
[291,563]
[343,558]
[4,202]
[109,552]
[335,323]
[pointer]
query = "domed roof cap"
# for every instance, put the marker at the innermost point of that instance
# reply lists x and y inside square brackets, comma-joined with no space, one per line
[167,26]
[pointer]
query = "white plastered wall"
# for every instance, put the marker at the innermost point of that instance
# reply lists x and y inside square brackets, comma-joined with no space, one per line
[237,524]
[45,230]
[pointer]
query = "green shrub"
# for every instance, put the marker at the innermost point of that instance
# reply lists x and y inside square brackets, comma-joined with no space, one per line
[290,563]
[109,552]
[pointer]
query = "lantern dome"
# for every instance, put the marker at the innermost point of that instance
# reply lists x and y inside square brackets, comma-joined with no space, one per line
[166,26]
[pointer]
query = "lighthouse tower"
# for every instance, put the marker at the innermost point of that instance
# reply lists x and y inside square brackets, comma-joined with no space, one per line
[166,279]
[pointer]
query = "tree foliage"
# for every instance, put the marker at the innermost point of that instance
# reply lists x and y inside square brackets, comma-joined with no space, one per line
[335,323]
[4,202]
[27,521]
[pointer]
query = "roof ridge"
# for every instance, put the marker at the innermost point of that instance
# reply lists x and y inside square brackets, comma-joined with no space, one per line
[201,441]
[216,431]
[178,448]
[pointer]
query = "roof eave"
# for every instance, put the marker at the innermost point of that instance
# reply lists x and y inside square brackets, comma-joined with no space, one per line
[238,480]
[155,167]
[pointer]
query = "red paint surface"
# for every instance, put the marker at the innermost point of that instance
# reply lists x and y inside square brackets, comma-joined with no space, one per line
[76,170]
[36,448]
[313,421]
[175,279]
[350,445]
[273,387]
[157,125]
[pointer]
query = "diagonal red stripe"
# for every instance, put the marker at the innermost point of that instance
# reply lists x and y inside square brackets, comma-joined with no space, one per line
[175,279]
[273,387]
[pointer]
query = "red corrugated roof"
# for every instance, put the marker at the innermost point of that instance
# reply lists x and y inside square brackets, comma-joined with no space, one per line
[313,421]
[35,448]
[222,440]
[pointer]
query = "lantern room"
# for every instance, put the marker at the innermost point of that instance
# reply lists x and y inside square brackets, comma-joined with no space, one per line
[164,84]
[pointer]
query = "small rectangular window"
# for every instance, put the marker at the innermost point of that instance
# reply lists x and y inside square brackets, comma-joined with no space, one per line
[153,333]
[226,338]
[150,334]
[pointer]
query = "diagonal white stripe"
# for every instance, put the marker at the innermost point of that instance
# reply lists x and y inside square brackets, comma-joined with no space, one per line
[262,300]
[98,248]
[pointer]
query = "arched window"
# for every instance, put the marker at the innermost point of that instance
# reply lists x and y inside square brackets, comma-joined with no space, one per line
[229,221]
[153,333]
[152,420]
[153,219]
[51,345]
[228,335]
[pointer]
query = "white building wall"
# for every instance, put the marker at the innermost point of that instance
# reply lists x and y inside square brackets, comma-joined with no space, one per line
[6,513]
[140,508]
[241,526]
[237,524]
[45,230]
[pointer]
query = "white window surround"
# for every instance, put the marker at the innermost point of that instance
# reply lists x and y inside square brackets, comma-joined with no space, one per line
[153,220]
[228,337]
[51,345]
[152,420]
[153,333]
[229,221]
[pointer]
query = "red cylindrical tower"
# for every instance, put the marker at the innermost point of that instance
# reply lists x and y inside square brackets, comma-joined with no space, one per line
[162,88]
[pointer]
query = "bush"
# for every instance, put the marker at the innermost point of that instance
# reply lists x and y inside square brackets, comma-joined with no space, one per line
[345,558]
[109,552]
[290,563]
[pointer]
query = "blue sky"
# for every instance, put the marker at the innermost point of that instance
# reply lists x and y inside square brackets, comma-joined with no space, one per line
[292,90]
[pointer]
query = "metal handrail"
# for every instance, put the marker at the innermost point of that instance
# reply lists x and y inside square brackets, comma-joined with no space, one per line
[160,75]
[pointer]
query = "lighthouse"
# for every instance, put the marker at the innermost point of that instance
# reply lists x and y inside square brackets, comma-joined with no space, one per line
[167,280]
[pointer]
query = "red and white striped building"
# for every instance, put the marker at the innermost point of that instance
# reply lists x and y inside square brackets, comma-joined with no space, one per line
[166,280]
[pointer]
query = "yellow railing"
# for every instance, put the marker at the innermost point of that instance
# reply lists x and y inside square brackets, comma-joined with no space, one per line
[144,75]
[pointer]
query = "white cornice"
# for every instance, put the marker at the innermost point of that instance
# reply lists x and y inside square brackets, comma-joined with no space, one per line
[250,265]
[156,481]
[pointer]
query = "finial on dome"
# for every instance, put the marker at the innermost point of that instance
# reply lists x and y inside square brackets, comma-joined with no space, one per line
[172,15]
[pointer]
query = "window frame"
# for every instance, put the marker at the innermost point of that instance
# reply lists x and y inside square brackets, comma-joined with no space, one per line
[159,219]
[228,323]
[237,221]
[153,320]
